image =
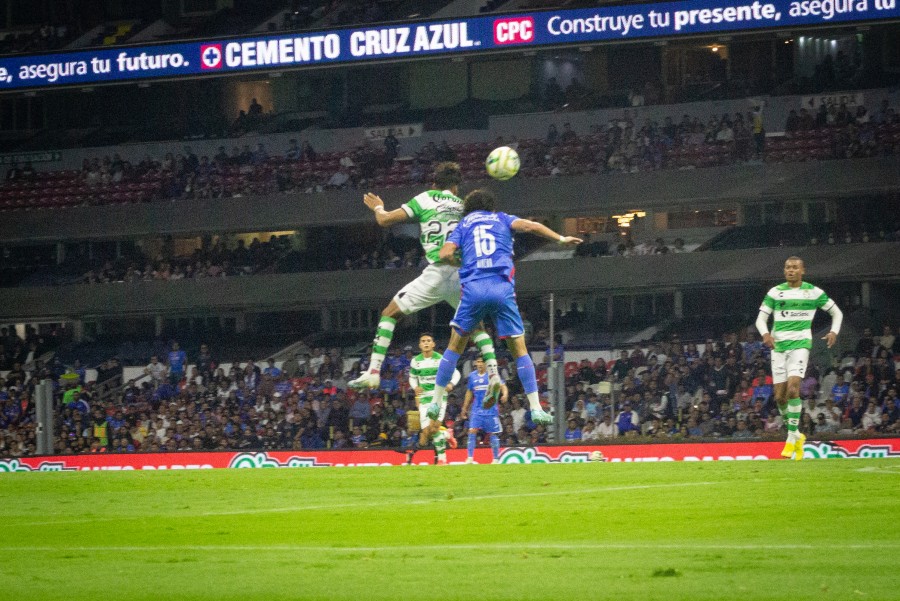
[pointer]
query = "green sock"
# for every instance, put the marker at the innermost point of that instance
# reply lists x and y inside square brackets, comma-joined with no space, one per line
[382,341]
[792,415]
[440,445]
[486,348]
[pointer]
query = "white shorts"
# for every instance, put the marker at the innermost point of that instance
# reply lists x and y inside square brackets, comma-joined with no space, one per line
[424,422]
[788,364]
[436,283]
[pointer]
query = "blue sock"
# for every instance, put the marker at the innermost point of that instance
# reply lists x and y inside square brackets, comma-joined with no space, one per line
[471,446]
[446,368]
[495,446]
[525,369]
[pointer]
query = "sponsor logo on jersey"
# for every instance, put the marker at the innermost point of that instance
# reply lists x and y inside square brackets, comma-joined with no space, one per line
[519,30]
[211,56]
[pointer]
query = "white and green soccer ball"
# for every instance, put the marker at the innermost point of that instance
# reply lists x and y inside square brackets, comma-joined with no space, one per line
[502,163]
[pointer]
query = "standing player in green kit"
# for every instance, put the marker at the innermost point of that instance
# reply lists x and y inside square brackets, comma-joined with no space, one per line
[793,305]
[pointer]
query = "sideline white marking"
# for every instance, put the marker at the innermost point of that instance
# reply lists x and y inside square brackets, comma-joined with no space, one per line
[413,549]
[393,503]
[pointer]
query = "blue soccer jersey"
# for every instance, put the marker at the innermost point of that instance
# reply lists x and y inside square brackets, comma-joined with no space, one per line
[177,360]
[486,242]
[486,420]
[478,384]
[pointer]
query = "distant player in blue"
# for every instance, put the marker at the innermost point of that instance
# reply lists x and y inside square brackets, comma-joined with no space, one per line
[485,238]
[484,414]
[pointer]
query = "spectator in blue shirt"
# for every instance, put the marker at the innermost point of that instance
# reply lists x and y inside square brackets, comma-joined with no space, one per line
[271,369]
[177,364]
[840,391]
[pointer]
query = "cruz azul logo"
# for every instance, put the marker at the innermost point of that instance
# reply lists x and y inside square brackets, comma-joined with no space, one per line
[519,30]
[211,56]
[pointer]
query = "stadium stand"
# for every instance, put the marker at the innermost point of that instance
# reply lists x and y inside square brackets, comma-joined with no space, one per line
[667,367]
[616,147]
[665,390]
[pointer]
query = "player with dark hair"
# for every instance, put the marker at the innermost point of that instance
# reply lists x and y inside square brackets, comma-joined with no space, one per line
[793,305]
[485,238]
[422,371]
[437,210]
[481,411]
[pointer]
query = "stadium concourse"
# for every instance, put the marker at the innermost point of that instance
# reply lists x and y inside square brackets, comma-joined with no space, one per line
[663,391]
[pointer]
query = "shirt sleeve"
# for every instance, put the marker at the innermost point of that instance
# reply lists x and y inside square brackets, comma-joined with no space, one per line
[507,219]
[412,208]
[768,305]
[456,235]
[414,374]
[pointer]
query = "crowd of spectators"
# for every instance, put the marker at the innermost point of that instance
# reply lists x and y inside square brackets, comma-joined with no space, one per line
[620,145]
[663,391]
[214,262]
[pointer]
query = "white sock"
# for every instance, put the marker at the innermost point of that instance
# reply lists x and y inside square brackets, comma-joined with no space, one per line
[534,401]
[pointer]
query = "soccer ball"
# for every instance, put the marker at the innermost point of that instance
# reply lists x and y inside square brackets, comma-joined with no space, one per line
[502,163]
[597,456]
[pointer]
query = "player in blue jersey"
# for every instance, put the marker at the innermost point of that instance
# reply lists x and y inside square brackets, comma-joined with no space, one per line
[484,414]
[485,239]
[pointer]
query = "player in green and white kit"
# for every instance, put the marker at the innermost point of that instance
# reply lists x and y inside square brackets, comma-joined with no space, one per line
[438,211]
[793,305]
[422,372]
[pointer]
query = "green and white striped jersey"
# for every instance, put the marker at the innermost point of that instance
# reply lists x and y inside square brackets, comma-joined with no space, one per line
[793,310]
[423,371]
[437,213]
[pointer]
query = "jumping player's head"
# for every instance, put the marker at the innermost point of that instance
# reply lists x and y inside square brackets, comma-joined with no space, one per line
[479,200]
[447,176]
[794,270]
[426,342]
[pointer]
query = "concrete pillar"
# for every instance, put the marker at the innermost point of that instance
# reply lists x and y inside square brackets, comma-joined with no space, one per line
[60,253]
[678,304]
[609,310]
[326,319]
[78,330]
[865,292]
[158,325]
[240,323]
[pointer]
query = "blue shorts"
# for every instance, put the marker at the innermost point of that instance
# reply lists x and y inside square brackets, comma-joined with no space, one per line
[486,423]
[493,297]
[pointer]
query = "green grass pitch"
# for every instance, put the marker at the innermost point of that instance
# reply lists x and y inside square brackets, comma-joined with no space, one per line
[823,529]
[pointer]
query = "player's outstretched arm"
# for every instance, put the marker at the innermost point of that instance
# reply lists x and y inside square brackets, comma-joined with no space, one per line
[533,227]
[383,217]
[447,254]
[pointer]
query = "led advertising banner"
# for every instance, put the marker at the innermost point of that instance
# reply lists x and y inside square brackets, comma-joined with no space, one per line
[421,39]
[717,451]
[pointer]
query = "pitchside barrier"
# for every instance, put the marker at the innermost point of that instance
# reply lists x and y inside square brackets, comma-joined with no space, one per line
[709,451]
